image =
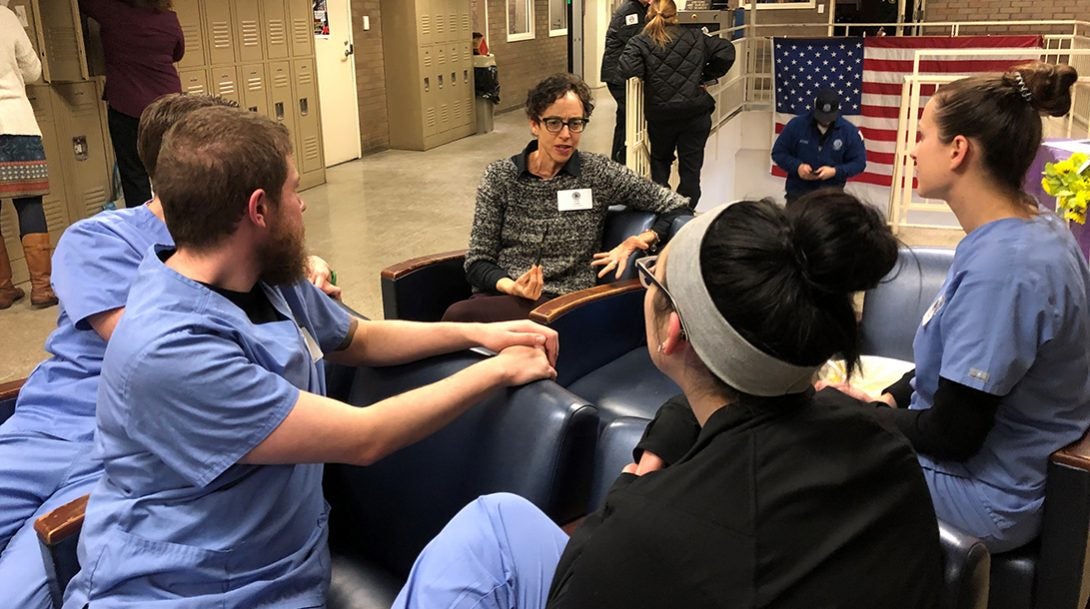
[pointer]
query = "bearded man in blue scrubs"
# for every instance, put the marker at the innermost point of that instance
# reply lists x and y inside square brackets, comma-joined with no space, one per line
[210,423]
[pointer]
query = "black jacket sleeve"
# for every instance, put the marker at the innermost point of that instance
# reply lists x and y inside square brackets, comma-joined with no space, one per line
[902,389]
[720,54]
[483,275]
[672,433]
[955,426]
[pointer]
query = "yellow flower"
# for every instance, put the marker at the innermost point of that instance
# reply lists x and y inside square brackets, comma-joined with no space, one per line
[1069,181]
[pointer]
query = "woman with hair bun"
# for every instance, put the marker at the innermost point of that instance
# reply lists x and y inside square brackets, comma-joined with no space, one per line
[674,63]
[1002,375]
[751,489]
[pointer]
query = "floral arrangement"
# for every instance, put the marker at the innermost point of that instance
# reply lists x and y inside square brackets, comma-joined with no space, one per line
[1069,181]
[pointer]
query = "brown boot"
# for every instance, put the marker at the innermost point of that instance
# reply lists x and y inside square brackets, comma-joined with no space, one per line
[37,249]
[8,292]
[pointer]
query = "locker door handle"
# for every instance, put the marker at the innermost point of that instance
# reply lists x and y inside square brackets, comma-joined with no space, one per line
[350,50]
[304,106]
[279,108]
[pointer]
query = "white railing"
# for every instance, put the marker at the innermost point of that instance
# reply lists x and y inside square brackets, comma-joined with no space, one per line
[748,86]
[902,199]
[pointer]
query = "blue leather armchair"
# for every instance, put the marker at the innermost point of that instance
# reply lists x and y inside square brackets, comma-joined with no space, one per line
[603,350]
[892,311]
[534,441]
[1052,572]
[422,288]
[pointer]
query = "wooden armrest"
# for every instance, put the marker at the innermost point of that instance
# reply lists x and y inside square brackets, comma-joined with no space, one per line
[1076,454]
[552,310]
[10,389]
[401,269]
[62,522]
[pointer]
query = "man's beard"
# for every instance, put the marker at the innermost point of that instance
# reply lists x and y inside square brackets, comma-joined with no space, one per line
[283,257]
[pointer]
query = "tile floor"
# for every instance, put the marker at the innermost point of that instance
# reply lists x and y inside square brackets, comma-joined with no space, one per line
[375,212]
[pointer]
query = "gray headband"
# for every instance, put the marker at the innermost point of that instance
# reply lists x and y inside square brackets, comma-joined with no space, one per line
[729,356]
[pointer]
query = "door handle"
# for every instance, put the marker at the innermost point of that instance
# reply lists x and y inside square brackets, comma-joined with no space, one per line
[350,49]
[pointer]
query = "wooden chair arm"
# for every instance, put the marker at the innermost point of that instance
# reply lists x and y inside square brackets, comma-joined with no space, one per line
[552,310]
[62,522]
[10,389]
[401,269]
[1076,454]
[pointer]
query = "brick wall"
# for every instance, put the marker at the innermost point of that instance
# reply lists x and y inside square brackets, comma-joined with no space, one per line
[522,64]
[1012,10]
[370,76]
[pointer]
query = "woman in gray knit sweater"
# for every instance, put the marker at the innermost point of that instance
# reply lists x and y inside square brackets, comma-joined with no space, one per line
[537,230]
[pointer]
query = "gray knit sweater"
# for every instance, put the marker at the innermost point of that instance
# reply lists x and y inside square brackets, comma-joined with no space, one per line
[514,207]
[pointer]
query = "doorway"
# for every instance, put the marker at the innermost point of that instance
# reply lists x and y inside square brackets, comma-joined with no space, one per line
[335,54]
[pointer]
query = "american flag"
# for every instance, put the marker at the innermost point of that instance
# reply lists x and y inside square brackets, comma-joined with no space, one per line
[868,73]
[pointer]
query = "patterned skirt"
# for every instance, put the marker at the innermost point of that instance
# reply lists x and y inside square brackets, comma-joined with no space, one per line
[23,170]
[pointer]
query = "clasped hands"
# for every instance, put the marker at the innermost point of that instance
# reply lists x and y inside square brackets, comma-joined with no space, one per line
[808,173]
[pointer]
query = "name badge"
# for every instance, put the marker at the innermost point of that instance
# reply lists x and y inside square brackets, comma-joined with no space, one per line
[574,200]
[312,346]
[934,308]
[632,19]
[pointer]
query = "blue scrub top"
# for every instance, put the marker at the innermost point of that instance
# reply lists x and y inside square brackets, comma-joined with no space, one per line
[189,386]
[1011,320]
[94,264]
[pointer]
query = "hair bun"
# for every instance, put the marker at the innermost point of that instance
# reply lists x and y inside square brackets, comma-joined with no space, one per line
[841,244]
[1049,85]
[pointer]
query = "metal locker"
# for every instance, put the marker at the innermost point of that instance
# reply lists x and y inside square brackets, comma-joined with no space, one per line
[429,104]
[225,83]
[255,92]
[439,21]
[219,33]
[308,124]
[301,15]
[281,101]
[65,59]
[465,22]
[56,215]
[454,32]
[468,109]
[196,49]
[82,148]
[275,17]
[194,81]
[246,19]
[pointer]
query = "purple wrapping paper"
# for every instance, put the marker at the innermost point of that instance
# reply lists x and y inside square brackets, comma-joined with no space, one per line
[1052,150]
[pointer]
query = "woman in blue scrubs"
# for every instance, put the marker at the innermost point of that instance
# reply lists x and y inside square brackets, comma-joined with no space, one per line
[1002,375]
[46,446]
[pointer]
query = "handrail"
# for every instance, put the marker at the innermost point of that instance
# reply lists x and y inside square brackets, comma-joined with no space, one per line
[748,86]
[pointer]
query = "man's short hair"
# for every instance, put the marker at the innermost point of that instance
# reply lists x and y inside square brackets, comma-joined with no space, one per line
[161,114]
[210,163]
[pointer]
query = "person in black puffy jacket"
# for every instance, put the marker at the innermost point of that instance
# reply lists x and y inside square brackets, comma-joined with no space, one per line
[627,21]
[675,63]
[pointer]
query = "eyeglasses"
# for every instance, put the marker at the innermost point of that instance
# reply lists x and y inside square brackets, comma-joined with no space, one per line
[553,124]
[645,268]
